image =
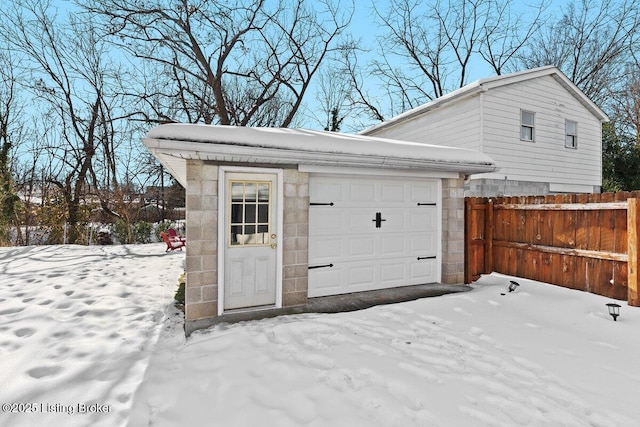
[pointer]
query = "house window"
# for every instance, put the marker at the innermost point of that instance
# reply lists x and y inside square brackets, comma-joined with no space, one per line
[527,122]
[571,134]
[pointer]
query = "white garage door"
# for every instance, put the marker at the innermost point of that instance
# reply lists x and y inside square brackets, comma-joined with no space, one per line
[369,233]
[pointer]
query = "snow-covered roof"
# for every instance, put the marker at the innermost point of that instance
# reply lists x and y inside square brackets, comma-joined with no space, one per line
[173,144]
[489,83]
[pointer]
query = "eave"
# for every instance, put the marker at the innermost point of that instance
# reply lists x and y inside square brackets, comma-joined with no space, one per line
[174,144]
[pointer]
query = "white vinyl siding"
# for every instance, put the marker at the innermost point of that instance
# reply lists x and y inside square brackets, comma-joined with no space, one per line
[436,126]
[571,134]
[490,122]
[527,125]
[543,161]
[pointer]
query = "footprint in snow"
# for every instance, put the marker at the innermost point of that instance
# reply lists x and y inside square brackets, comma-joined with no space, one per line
[315,361]
[476,331]
[11,311]
[44,371]
[24,332]
[461,310]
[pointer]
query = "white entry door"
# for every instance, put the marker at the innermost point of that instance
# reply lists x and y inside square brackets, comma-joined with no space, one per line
[250,258]
[369,233]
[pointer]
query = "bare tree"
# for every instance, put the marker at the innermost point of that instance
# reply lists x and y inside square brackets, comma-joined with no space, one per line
[236,62]
[11,134]
[591,43]
[625,102]
[427,49]
[506,33]
[333,87]
[72,82]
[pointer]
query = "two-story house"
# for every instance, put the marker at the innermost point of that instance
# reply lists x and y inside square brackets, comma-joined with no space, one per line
[543,132]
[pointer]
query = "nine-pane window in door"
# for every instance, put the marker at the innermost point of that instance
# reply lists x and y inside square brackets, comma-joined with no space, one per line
[571,134]
[527,125]
[249,219]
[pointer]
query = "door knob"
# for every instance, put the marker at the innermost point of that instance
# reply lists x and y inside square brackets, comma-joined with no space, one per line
[273,246]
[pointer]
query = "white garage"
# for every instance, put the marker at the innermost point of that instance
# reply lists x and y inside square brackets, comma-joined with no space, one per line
[276,217]
[368,233]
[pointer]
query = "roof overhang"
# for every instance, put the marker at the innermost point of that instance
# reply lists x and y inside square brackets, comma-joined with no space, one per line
[174,144]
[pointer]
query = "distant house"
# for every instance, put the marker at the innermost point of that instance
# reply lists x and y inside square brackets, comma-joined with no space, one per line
[543,132]
[279,217]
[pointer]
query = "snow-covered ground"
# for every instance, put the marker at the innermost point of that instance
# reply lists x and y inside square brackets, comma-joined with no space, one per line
[77,327]
[81,326]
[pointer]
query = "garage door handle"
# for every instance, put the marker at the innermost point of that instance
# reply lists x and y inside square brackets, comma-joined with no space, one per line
[426,204]
[378,220]
[426,257]
[312,267]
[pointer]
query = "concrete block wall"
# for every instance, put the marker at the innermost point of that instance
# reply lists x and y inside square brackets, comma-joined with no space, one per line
[201,289]
[295,238]
[453,231]
[501,187]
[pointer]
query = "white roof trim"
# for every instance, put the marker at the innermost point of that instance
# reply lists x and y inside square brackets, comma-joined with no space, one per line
[489,83]
[173,144]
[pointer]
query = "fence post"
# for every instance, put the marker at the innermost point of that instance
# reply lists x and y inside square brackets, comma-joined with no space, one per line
[467,241]
[633,240]
[488,238]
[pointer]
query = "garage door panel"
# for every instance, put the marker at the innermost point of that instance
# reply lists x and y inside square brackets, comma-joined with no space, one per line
[423,192]
[362,274]
[332,250]
[329,222]
[365,257]
[362,247]
[422,269]
[423,219]
[393,245]
[325,249]
[326,281]
[359,220]
[362,192]
[392,272]
[393,192]
[357,276]
[423,245]
[395,220]
[324,221]
[331,191]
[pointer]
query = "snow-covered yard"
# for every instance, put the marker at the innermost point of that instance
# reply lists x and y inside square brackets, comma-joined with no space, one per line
[83,326]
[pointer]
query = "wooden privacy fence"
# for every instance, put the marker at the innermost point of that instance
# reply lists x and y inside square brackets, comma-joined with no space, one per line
[579,241]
